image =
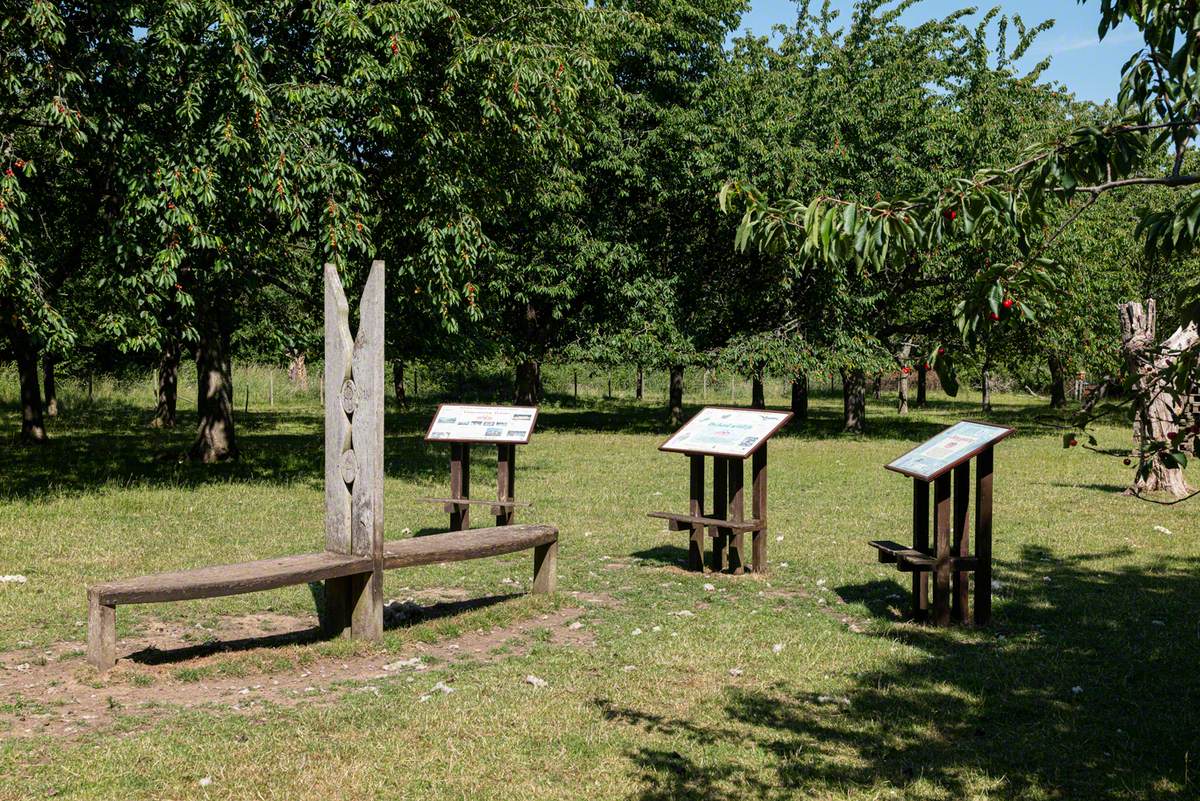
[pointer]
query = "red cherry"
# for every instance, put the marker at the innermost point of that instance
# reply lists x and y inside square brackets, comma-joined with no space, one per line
[950,214]
[1008,302]
[170,205]
[1074,442]
[1128,462]
[907,370]
[926,365]
[941,351]
[8,171]
[994,317]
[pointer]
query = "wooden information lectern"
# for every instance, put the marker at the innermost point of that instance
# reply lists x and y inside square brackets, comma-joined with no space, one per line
[945,462]
[462,426]
[730,436]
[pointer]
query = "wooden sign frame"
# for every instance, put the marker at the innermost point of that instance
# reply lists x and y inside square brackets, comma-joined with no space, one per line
[947,562]
[727,524]
[459,504]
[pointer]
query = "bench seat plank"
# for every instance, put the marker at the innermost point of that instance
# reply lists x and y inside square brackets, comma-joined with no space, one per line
[235,579]
[457,546]
[683,522]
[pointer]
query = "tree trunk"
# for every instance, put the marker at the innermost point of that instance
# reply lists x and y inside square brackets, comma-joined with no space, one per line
[877,386]
[800,396]
[986,387]
[398,384]
[1155,416]
[33,426]
[641,382]
[675,400]
[1058,382]
[854,400]
[298,371]
[529,382]
[902,384]
[215,439]
[51,393]
[168,387]
[922,380]
[758,399]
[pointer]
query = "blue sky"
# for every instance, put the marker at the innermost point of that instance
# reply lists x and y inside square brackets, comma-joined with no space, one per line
[1089,68]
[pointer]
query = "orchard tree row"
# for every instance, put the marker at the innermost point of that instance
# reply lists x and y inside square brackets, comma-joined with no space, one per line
[554,180]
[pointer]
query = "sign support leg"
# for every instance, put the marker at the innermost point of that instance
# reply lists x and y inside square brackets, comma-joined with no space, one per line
[696,509]
[506,464]
[460,486]
[960,546]
[920,578]
[737,514]
[941,538]
[758,508]
[983,537]
[720,504]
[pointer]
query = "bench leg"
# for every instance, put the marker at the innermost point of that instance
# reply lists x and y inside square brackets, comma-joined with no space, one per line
[545,567]
[102,634]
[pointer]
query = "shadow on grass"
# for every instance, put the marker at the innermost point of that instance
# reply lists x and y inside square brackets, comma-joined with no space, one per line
[109,444]
[1085,687]
[396,616]
[672,555]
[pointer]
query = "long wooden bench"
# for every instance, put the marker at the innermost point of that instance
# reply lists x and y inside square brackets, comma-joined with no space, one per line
[268,574]
[355,555]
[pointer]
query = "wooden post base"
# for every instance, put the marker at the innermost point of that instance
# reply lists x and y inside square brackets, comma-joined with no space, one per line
[354,606]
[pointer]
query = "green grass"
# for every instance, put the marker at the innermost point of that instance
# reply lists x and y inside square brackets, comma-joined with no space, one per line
[1091,597]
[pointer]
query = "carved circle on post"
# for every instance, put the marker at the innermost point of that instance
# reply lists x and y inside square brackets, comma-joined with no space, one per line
[349,396]
[349,466]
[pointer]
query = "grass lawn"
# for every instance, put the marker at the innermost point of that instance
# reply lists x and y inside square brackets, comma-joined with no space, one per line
[805,683]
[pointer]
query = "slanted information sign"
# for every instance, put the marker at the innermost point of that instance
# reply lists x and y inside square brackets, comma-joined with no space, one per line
[950,448]
[717,431]
[511,425]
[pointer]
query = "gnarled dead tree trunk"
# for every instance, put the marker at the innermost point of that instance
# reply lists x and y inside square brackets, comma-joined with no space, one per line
[1155,413]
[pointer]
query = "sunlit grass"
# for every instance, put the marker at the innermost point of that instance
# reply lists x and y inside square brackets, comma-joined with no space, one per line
[1090,596]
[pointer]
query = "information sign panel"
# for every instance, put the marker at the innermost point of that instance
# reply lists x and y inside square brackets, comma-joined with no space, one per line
[718,431]
[511,425]
[950,448]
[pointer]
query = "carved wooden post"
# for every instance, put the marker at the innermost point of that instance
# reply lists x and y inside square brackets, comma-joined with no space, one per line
[353,390]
